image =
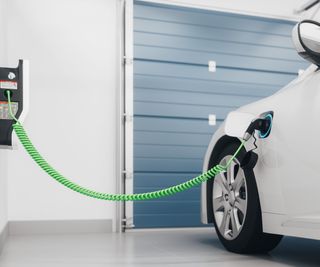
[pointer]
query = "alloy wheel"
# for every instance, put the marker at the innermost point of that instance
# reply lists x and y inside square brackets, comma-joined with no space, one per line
[230,199]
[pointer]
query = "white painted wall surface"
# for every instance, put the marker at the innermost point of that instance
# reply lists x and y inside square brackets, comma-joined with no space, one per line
[3,153]
[72,49]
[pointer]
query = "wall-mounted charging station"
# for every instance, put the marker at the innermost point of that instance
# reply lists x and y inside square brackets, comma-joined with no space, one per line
[16,81]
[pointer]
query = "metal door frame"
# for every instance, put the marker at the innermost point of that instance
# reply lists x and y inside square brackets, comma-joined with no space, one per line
[124,127]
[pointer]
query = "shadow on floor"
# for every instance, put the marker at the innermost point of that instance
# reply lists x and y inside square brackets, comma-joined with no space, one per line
[291,251]
[296,252]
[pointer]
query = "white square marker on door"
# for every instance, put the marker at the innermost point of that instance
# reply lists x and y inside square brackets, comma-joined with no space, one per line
[212,66]
[212,119]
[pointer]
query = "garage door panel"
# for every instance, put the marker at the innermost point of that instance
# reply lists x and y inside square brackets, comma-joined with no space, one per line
[215,46]
[168,207]
[212,86]
[171,138]
[178,110]
[201,73]
[148,180]
[205,99]
[169,165]
[210,33]
[212,46]
[183,197]
[223,60]
[167,220]
[212,19]
[169,151]
[172,125]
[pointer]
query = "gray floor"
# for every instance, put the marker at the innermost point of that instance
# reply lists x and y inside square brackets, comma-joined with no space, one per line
[187,247]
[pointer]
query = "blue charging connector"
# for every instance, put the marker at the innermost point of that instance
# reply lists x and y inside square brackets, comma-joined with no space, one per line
[266,133]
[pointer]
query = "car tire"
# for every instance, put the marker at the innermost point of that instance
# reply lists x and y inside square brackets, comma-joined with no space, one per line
[236,210]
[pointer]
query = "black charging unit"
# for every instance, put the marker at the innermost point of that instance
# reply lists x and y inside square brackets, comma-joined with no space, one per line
[12,80]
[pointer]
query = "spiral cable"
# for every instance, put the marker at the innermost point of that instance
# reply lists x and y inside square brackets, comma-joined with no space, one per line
[44,165]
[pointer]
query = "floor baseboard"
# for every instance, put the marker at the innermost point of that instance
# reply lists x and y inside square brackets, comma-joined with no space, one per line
[60,227]
[3,237]
[173,229]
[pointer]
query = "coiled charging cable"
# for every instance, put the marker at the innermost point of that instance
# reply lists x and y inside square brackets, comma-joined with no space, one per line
[43,164]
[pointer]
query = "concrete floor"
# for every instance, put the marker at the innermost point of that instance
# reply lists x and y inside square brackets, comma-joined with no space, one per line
[186,247]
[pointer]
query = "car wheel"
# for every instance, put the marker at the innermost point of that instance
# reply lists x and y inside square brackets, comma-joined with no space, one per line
[236,206]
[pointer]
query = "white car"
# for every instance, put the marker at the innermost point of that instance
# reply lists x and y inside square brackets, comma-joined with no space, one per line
[272,187]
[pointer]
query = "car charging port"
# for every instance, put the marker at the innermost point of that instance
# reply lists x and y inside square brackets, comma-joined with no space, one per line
[263,124]
[266,126]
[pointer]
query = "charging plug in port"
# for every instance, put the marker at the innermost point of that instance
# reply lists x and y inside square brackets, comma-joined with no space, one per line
[263,124]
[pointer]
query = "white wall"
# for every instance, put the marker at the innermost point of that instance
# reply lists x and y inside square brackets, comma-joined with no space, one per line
[72,48]
[3,154]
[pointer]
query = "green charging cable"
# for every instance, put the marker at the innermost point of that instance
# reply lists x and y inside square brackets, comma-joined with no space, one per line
[43,164]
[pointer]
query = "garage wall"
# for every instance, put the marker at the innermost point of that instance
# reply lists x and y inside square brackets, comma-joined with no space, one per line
[3,154]
[72,50]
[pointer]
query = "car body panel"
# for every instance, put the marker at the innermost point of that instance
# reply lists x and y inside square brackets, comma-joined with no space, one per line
[286,172]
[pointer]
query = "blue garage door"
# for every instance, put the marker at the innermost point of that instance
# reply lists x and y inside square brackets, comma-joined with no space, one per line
[174,93]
